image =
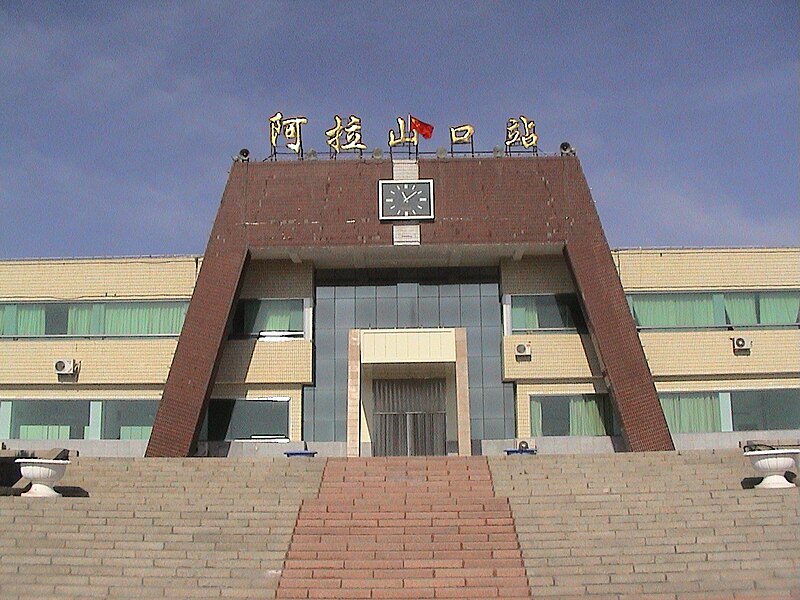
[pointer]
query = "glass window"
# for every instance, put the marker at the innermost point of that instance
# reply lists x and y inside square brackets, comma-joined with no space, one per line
[583,415]
[446,297]
[93,318]
[429,311]
[407,312]
[674,310]
[450,310]
[471,312]
[736,309]
[779,308]
[31,319]
[247,419]
[559,311]
[323,313]
[144,318]
[49,419]
[692,412]
[128,419]
[387,312]
[741,309]
[55,316]
[766,409]
[366,317]
[255,316]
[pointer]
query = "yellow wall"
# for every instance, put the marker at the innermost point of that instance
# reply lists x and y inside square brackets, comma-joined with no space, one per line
[709,354]
[556,356]
[708,268]
[408,345]
[102,361]
[251,361]
[536,275]
[147,361]
[278,279]
[98,278]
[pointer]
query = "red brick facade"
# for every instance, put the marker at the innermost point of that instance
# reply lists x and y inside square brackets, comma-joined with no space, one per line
[535,201]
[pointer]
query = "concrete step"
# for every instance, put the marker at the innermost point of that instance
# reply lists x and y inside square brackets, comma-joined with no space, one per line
[157,528]
[661,525]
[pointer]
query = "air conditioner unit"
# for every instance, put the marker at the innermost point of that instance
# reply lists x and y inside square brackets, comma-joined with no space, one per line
[741,343]
[64,366]
[522,350]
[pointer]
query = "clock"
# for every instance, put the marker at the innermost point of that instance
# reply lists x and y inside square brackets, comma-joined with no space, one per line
[405,200]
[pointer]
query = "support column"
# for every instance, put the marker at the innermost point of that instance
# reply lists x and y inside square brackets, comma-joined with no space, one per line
[616,341]
[462,394]
[354,393]
[194,367]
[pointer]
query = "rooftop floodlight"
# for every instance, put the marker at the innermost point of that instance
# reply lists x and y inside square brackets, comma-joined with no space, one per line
[377,153]
[312,154]
[566,149]
[243,156]
[441,152]
[497,152]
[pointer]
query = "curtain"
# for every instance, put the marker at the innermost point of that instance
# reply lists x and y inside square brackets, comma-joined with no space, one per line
[524,315]
[278,315]
[779,308]
[79,319]
[536,417]
[674,310]
[692,412]
[587,415]
[3,320]
[741,309]
[275,315]
[143,318]
[169,316]
[30,319]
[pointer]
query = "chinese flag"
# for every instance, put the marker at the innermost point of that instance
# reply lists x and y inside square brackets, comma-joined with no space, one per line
[424,129]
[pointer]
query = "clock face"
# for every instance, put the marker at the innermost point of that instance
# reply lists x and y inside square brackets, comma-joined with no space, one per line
[406,200]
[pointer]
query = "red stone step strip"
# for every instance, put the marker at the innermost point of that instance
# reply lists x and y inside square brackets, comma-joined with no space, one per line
[413,528]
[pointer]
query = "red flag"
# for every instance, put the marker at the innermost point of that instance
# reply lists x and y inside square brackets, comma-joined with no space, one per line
[424,129]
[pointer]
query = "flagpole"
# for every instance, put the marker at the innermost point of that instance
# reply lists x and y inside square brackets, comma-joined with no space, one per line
[410,129]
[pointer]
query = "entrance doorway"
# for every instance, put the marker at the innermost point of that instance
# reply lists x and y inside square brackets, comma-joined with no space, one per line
[409,417]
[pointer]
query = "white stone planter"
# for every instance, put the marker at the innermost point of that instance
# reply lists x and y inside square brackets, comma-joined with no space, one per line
[43,475]
[772,464]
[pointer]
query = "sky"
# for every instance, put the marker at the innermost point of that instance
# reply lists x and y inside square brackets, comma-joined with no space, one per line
[118,120]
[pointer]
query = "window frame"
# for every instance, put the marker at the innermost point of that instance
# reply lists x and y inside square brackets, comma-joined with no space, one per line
[719,310]
[578,319]
[67,304]
[306,307]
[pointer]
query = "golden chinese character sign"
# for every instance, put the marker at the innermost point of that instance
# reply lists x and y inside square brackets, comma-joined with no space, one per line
[291,129]
[347,136]
[521,132]
[351,133]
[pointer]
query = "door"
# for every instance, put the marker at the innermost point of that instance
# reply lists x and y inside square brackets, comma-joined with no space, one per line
[409,417]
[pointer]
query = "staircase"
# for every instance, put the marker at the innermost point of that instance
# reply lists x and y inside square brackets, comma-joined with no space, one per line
[656,525]
[665,526]
[155,528]
[405,528]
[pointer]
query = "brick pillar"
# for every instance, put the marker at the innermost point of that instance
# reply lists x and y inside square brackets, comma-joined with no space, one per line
[613,331]
[194,366]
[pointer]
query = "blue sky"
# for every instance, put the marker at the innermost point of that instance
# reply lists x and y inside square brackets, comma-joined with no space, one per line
[118,119]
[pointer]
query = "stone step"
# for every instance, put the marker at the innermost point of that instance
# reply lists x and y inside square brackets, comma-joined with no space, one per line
[160,528]
[667,525]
